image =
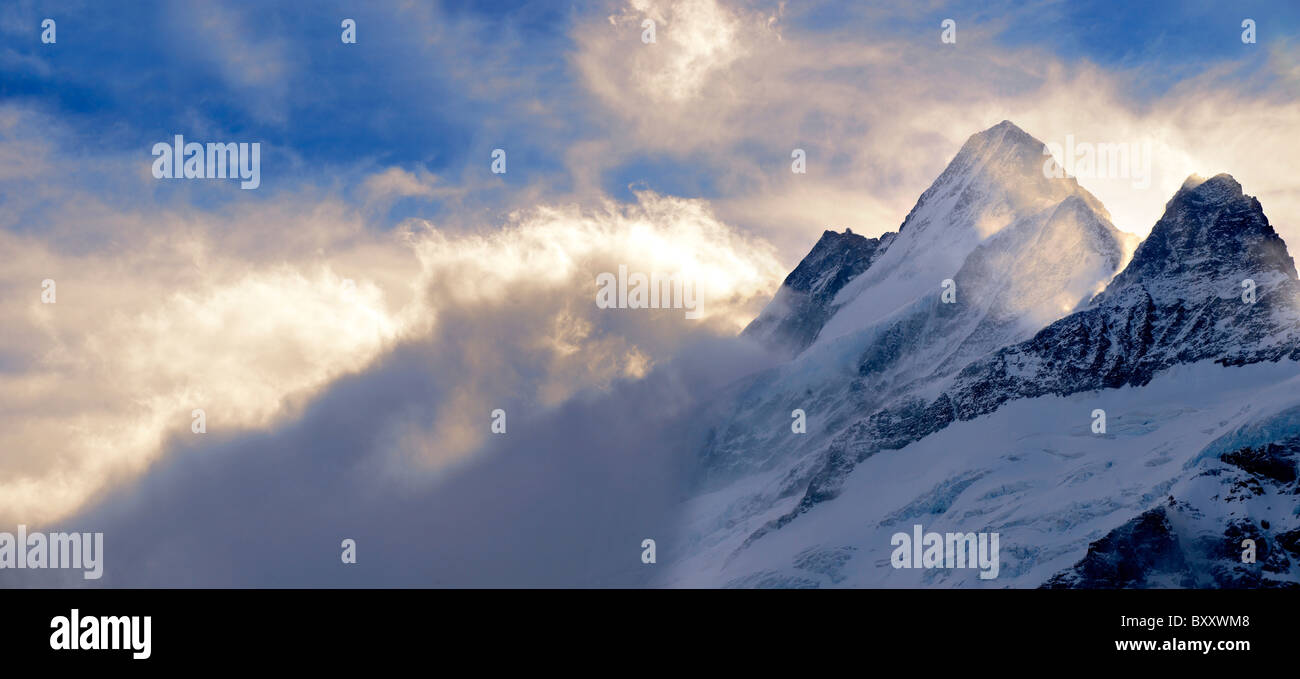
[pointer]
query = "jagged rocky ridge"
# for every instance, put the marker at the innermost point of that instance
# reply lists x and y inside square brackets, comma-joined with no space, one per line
[804,302]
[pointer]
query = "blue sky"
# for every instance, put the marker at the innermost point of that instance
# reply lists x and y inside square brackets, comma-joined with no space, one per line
[410,92]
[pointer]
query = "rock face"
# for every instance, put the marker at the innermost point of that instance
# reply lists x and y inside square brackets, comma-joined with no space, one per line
[1214,537]
[1130,556]
[884,362]
[804,303]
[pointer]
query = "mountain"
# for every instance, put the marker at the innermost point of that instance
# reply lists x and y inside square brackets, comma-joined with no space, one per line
[1174,350]
[864,319]
[1178,301]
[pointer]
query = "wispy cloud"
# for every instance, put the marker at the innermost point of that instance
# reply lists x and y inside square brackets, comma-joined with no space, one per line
[248,310]
[880,112]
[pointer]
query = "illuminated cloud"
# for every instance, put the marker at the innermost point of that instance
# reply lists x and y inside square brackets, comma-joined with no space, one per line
[881,111]
[247,312]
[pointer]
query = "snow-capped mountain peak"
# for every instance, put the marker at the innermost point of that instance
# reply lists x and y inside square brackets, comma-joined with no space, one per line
[1189,327]
[995,183]
[1003,164]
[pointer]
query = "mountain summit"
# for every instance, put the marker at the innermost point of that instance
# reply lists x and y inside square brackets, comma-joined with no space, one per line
[994,184]
[1211,234]
[1003,165]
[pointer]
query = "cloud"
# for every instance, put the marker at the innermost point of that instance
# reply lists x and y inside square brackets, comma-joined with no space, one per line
[517,303]
[880,111]
[699,41]
[564,498]
[250,310]
[395,182]
[167,321]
